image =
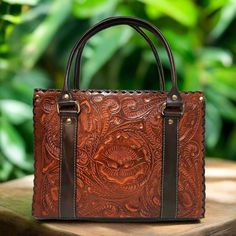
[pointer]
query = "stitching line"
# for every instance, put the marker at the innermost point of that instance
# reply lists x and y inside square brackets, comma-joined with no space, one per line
[163,164]
[35,158]
[177,169]
[60,165]
[74,164]
[203,161]
[114,91]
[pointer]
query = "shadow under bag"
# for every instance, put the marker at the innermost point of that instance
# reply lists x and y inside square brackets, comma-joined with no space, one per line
[111,155]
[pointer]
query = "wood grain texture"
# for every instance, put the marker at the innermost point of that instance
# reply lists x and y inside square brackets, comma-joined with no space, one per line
[16,219]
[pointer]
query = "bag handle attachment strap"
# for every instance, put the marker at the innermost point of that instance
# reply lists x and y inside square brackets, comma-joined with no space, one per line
[68,107]
[67,171]
[148,40]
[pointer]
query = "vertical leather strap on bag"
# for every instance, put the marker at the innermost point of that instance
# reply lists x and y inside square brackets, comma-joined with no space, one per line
[169,200]
[68,152]
[69,109]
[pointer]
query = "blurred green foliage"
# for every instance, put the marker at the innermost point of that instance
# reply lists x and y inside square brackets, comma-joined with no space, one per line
[36,37]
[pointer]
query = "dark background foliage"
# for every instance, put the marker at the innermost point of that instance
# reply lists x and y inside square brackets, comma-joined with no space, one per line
[36,37]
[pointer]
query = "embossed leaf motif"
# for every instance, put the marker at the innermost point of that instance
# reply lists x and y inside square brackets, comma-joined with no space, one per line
[119,155]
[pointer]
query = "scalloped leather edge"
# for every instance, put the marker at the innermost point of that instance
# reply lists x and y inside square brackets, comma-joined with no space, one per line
[131,92]
[115,91]
[203,161]
[35,160]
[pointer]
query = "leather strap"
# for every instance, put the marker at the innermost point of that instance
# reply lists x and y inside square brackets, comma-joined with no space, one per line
[151,45]
[170,166]
[68,152]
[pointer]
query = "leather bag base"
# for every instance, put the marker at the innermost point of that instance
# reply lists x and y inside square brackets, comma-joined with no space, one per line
[119,159]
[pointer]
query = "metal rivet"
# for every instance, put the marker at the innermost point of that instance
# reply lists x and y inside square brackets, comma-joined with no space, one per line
[147,99]
[200,98]
[66,96]
[174,97]
[68,121]
[37,98]
[170,121]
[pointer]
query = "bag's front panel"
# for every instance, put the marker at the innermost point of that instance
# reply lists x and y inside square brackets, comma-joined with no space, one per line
[119,155]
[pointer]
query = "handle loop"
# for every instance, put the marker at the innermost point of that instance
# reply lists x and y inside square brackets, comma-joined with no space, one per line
[173,100]
[160,70]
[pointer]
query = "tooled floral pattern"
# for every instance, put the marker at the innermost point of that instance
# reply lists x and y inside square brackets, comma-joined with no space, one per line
[119,155]
[46,156]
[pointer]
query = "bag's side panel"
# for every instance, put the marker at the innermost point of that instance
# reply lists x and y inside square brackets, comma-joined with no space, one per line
[119,154]
[46,154]
[191,188]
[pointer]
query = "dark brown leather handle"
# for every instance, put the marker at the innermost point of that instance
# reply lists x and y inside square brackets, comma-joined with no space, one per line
[151,45]
[173,100]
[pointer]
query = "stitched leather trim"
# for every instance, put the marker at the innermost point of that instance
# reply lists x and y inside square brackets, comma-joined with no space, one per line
[169,201]
[67,178]
[111,91]
[35,159]
[203,163]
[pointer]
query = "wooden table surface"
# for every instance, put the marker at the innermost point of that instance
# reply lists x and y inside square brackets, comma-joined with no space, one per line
[16,219]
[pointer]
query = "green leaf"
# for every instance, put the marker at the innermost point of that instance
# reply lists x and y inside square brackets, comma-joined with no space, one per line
[222,80]
[4,64]
[101,49]
[39,11]
[183,11]
[15,111]
[12,146]
[20,86]
[214,5]
[12,19]
[38,40]
[213,125]
[152,12]
[231,145]
[225,106]
[22,2]
[18,173]
[225,90]
[227,15]
[35,78]
[5,169]
[90,8]
[210,56]
[191,77]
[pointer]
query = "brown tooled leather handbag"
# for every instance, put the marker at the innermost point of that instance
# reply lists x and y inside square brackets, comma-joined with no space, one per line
[119,155]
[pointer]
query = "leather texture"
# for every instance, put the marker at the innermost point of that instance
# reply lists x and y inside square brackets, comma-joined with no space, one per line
[119,155]
[170,171]
[68,135]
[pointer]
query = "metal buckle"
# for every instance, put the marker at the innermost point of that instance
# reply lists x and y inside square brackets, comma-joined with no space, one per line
[163,106]
[76,103]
